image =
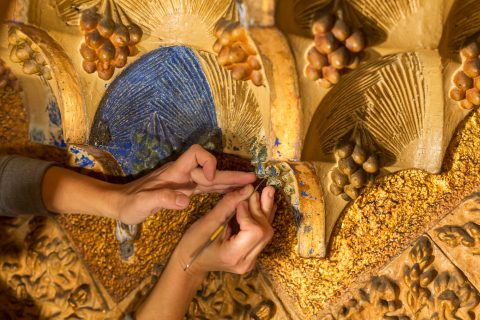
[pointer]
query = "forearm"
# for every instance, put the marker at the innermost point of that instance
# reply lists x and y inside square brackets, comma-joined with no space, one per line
[66,191]
[172,294]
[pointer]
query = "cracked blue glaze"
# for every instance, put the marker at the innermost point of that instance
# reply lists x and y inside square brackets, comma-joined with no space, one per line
[155,109]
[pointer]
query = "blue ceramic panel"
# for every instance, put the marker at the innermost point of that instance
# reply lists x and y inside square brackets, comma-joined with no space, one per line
[52,133]
[155,109]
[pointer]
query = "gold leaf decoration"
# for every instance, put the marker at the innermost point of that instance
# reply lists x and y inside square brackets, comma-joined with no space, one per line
[237,107]
[429,290]
[384,98]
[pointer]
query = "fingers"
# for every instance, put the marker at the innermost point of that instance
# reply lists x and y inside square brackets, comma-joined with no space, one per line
[165,199]
[226,206]
[197,156]
[223,181]
[267,202]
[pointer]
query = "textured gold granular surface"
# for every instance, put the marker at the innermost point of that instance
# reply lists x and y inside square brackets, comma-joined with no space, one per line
[374,228]
[95,238]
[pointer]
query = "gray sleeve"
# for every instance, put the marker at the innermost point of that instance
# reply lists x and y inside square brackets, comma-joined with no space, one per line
[21,186]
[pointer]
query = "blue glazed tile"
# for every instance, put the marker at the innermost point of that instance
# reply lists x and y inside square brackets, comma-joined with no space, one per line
[155,109]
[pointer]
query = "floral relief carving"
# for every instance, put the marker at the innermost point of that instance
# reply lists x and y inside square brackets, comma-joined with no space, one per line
[425,290]
[467,235]
[43,276]
[230,296]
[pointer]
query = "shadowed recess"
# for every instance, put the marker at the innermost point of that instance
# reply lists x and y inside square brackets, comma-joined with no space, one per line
[297,16]
[238,110]
[377,17]
[157,107]
[462,23]
[385,99]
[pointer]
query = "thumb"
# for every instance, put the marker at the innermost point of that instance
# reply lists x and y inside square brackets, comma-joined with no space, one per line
[167,199]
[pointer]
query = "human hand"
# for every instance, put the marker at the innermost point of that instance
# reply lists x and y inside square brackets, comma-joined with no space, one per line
[235,253]
[172,185]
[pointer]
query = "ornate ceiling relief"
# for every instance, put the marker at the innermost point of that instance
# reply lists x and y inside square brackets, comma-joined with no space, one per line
[372,172]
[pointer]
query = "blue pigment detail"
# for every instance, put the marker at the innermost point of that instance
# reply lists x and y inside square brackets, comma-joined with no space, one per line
[155,109]
[84,162]
[301,183]
[54,113]
[304,194]
[277,142]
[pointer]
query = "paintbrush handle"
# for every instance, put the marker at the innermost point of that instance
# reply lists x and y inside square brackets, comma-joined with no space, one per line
[216,233]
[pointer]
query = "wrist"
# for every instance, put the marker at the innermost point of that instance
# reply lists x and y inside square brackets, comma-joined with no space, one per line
[179,261]
[111,197]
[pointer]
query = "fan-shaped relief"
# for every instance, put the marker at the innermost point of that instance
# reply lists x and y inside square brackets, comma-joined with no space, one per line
[237,106]
[189,22]
[157,107]
[388,99]
[377,17]
[462,24]
[69,10]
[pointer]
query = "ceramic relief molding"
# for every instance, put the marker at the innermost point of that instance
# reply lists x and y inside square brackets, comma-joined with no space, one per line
[419,284]
[177,93]
[458,234]
[110,38]
[28,54]
[42,276]
[337,48]
[230,296]
[236,52]
[466,81]
[357,165]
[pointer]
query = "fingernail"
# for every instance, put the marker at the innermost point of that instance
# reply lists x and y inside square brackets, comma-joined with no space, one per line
[271,193]
[182,200]
[245,190]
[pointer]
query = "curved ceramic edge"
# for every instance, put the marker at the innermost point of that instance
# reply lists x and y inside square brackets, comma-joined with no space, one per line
[67,89]
[285,136]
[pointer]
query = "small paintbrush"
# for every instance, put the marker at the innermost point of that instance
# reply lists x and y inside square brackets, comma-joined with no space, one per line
[218,231]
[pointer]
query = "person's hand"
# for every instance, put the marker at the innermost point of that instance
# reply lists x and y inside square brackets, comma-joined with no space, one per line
[235,253]
[172,185]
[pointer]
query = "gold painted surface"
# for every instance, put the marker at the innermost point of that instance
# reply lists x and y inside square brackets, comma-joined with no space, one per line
[419,284]
[41,274]
[458,235]
[374,228]
[66,84]
[230,296]
[95,239]
[284,138]
[14,130]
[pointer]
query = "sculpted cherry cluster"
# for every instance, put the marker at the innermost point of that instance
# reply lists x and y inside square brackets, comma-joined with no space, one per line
[336,48]
[108,41]
[236,53]
[467,81]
